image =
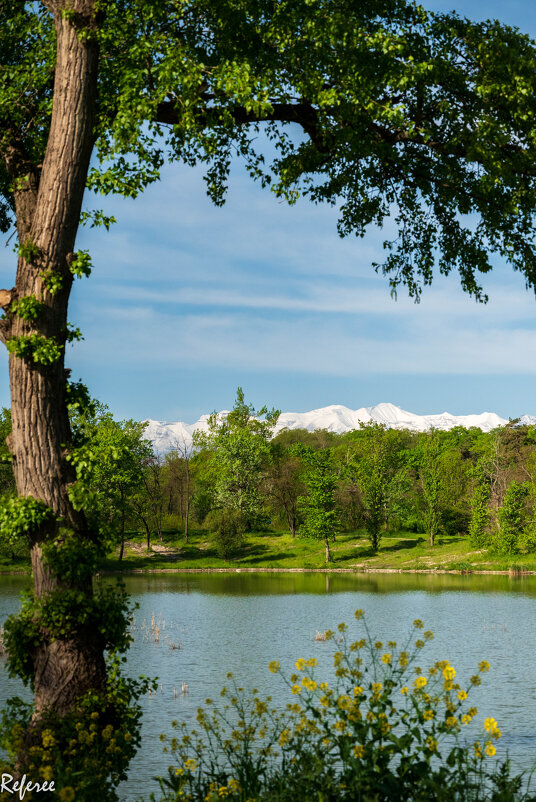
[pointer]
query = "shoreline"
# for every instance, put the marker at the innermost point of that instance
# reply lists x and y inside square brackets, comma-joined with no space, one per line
[439,571]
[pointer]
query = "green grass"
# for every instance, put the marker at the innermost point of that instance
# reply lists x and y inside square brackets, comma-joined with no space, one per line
[402,551]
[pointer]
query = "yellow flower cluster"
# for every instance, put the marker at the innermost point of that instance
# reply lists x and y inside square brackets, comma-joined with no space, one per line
[491,726]
[449,672]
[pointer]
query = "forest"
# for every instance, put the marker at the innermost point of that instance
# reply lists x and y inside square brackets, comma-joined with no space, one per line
[238,478]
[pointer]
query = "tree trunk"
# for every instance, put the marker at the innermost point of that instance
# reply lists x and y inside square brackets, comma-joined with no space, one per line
[122,547]
[328,553]
[48,211]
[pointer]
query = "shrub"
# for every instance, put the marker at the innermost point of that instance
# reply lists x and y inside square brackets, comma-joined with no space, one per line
[227,527]
[512,519]
[385,730]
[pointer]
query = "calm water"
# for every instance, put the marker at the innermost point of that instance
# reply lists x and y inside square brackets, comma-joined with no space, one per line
[239,622]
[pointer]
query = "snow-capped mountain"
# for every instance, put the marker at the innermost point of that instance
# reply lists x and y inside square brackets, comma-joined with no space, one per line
[335,418]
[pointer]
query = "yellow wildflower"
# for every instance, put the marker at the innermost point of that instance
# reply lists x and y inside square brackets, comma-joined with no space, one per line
[47,773]
[47,738]
[300,664]
[404,690]
[359,614]
[358,750]
[190,765]
[386,658]
[312,662]
[66,794]
[449,672]
[337,657]
[462,696]
[483,665]
[490,749]
[274,666]
[420,682]
[376,687]
[428,715]
[296,689]
[284,738]
[418,624]
[431,743]
[344,702]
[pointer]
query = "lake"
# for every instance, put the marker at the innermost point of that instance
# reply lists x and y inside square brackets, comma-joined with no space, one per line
[240,622]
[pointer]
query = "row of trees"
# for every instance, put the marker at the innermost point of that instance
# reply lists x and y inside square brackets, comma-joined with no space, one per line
[460,482]
[237,477]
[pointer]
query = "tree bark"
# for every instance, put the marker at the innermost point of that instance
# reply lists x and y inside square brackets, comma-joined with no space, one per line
[48,211]
[328,553]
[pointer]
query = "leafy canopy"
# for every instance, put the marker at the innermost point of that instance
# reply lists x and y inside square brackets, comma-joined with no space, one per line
[405,115]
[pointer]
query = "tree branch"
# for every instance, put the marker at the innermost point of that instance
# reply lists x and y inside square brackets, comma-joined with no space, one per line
[25,176]
[301,113]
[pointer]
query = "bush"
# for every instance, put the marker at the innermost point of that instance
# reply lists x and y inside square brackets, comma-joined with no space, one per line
[227,527]
[454,522]
[386,731]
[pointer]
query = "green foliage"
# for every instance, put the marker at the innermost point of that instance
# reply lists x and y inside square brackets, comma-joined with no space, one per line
[374,472]
[7,481]
[73,557]
[65,614]
[52,280]
[512,519]
[36,348]
[480,517]
[27,308]
[318,506]
[109,458]
[430,469]
[239,451]
[227,526]
[28,251]
[80,404]
[23,517]
[81,264]
[86,752]
[97,218]
[385,729]
[422,101]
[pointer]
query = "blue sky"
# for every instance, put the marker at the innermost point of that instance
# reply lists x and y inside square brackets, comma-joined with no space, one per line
[188,301]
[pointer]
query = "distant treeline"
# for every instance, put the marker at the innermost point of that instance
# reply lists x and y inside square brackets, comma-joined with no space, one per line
[238,477]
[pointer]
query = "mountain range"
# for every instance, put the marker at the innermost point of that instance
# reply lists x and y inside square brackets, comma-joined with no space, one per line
[335,418]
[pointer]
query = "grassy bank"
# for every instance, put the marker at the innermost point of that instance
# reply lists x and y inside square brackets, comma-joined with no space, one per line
[401,551]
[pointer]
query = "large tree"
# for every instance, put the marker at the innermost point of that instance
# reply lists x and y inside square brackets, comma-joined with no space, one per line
[427,117]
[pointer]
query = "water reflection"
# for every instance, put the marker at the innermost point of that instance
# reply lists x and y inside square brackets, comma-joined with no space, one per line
[240,621]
